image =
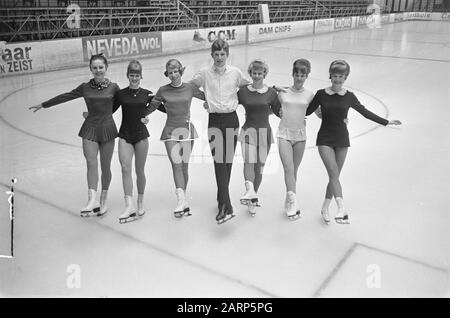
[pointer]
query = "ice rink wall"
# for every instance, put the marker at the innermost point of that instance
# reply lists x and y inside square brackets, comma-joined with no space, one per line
[43,56]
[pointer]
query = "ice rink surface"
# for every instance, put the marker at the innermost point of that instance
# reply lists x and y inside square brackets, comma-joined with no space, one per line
[396,185]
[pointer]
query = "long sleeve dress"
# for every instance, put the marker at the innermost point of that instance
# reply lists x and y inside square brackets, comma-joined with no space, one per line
[99,125]
[335,106]
[177,103]
[258,104]
[134,104]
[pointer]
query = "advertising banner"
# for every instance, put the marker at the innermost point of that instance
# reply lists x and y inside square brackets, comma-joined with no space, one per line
[122,46]
[324,25]
[190,40]
[274,31]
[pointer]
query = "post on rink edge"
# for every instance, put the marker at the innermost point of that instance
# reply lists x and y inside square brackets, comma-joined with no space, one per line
[10,194]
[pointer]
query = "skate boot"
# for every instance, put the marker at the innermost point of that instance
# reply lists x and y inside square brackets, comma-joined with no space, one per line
[186,208]
[225,214]
[342,218]
[130,213]
[292,212]
[249,195]
[286,202]
[182,207]
[325,216]
[93,206]
[221,215]
[252,208]
[103,206]
[140,205]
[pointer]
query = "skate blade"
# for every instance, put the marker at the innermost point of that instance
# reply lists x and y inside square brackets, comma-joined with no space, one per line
[342,221]
[87,213]
[249,201]
[178,214]
[90,213]
[101,214]
[294,217]
[131,218]
[252,214]
[324,219]
[327,222]
[226,219]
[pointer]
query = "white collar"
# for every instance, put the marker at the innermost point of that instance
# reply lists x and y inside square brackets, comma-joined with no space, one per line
[261,90]
[292,89]
[329,91]
[219,70]
[181,84]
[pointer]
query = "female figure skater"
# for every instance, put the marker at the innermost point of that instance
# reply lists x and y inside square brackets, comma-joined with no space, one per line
[332,138]
[256,138]
[291,132]
[98,130]
[133,139]
[178,133]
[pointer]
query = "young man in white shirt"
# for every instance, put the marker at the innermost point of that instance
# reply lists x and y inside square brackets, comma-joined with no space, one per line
[220,83]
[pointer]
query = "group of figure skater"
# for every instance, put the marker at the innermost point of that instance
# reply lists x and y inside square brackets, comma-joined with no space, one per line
[224,87]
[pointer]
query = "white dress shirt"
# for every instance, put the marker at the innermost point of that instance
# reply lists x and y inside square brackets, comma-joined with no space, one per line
[220,86]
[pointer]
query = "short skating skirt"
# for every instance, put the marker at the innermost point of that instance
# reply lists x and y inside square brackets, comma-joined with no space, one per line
[291,134]
[187,132]
[98,132]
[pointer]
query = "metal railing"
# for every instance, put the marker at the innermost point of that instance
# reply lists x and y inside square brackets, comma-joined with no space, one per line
[49,22]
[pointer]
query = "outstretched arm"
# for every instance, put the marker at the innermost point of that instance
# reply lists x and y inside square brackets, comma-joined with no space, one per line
[62,98]
[35,108]
[356,105]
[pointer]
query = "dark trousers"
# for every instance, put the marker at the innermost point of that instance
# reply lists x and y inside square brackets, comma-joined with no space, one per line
[223,130]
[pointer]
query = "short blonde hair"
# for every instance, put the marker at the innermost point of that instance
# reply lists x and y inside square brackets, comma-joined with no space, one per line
[258,64]
[174,63]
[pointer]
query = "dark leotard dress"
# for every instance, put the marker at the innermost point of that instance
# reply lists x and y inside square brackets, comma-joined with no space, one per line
[258,106]
[177,102]
[334,106]
[134,104]
[99,125]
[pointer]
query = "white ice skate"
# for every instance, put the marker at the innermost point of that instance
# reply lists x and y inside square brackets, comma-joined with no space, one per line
[342,218]
[182,208]
[130,213]
[93,206]
[140,207]
[103,206]
[325,216]
[249,196]
[252,208]
[292,212]
[224,216]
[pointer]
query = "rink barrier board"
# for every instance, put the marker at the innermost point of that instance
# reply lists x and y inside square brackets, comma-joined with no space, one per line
[44,56]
